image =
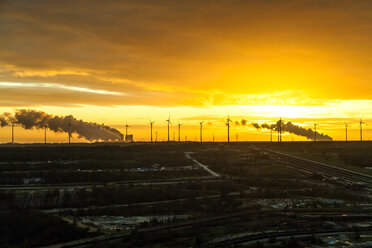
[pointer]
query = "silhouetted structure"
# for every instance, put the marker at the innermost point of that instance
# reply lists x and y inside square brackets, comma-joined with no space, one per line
[228,128]
[45,131]
[129,138]
[13,132]
[345,131]
[271,135]
[126,131]
[151,123]
[361,129]
[201,131]
[69,133]
[169,122]
[179,132]
[315,131]
[279,126]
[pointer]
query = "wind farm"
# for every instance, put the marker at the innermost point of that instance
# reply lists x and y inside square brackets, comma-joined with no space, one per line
[92,132]
[137,124]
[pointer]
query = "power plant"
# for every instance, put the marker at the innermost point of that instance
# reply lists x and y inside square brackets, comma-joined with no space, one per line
[30,119]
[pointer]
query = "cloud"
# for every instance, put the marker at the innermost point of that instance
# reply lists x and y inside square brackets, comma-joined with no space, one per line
[57,86]
[188,52]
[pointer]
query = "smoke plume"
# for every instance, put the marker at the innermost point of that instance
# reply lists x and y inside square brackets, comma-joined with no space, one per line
[242,122]
[291,128]
[30,119]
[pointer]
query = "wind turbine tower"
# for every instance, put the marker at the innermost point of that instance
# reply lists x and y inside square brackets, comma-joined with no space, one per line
[151,123]
[69,133]
[169,122]
[45,131]
[279,123]
[228,120]
[315,131]
[271,134]
[201,131]
[179,131]
[345,131]
[361,129]
[13,132]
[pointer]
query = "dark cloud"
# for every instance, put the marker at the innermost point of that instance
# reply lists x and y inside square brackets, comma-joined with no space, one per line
[153,49]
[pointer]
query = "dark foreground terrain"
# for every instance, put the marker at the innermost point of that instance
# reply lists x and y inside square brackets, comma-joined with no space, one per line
[242,194]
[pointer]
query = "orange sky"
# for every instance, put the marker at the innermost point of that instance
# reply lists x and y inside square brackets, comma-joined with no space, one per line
[134,61]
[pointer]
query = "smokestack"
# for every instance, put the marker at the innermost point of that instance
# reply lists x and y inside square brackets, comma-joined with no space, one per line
[30,119]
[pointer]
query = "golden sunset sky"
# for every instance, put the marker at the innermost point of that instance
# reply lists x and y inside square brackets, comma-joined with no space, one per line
[114,62]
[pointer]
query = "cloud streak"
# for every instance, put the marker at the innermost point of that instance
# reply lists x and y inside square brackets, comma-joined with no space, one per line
[58,86]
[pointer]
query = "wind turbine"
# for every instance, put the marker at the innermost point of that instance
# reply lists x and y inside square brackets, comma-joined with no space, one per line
[151,123]
[346,131]
[201,131]
[279,123]
[361,129]
[271,133]
[228,120]
[45,131]
[315,124]
[69,132]
[169,122]
[12,132]
[179,131]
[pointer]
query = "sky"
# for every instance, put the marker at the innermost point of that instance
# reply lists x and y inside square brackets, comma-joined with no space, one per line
[118,62]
